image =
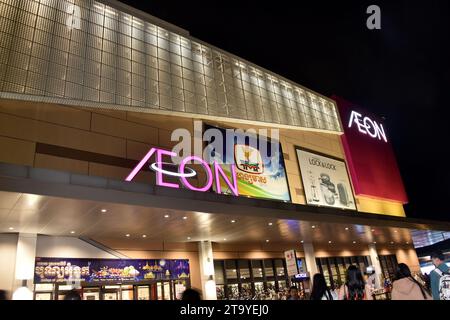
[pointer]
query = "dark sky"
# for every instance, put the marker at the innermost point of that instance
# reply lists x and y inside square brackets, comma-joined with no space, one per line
[400,72]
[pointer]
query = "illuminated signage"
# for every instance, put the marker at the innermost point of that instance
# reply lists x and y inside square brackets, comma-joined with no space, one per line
[369,154]
[303,275]
[367,126]
[183,172]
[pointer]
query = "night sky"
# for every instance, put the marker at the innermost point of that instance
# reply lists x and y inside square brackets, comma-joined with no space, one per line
[401,72]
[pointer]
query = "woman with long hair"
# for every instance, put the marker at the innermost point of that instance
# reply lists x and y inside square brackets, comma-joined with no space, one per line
[320,290]
[354,287]
[405,287]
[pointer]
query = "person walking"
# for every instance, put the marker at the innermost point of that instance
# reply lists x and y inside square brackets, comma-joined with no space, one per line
[354,287]
[405,287]
[438,260]
[320,290]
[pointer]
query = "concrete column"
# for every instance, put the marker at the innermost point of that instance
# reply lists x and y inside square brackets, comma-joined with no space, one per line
[310,258]
[206,262]
[376,265]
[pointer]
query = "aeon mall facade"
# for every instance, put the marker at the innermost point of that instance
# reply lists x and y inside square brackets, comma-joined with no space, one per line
[99,191]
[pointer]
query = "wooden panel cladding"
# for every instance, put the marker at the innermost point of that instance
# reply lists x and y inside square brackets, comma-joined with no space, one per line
[75,154]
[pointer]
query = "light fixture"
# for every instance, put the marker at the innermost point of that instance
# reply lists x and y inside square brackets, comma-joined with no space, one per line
[407,242]
[270,223]
[301,241]
[374,242]
[354,242]
[166,216]
[313,226]
[189,238]
[373,230]
[346,228]
[395,231]
[233,221]
[127,235]
[103,210]
[224,239]
[11,228]
[72,232]
[267,240]
[144,236]
[392,242]
[184,218]
[329,241]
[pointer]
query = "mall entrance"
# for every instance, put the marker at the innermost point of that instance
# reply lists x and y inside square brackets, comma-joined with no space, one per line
[144,290]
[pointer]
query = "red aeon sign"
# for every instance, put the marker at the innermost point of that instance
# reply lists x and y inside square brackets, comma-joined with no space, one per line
[371,160]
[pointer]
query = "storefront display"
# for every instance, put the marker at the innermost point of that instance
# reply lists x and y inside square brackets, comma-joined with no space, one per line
[246,279]
[325,180]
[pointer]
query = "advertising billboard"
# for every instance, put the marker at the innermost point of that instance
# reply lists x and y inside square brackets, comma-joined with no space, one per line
[369,153]
[325,180]
[259,167]
[48,270]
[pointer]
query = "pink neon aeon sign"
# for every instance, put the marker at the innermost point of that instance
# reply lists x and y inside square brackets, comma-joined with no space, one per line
[211,175]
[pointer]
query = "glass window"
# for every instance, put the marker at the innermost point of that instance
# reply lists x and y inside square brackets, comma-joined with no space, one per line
[279,268]
[230,269]
[257,268]
[244,269]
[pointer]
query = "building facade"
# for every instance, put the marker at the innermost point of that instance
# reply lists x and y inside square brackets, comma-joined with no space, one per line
[87,88]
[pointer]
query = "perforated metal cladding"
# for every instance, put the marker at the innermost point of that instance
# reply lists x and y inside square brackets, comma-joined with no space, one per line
[116,58]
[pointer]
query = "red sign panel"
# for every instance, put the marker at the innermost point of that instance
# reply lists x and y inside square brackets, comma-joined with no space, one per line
[371,160]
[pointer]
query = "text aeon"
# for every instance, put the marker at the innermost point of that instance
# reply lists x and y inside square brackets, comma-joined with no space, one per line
[367,126]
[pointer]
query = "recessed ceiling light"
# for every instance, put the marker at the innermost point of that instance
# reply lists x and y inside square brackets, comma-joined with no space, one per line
[11,228]
[127,235]
[144,236]
[104,210]
[267,240]
[166,216]
[189,238]
[329,241]
[270,223]
[233,221]
[354,242]
[184,218]
[72,232]
[301,241]
[346,228]
[313,226]
[224,239]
